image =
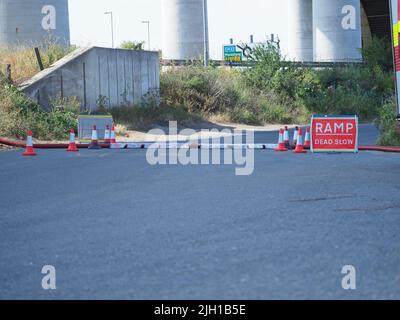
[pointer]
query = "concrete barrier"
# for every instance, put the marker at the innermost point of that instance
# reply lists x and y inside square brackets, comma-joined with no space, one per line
[98,76]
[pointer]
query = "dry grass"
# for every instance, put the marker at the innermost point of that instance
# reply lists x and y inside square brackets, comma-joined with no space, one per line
[23,60]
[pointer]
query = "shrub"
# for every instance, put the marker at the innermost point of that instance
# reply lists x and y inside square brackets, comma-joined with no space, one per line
[18,114]
[132,45]
[387,124]
[379,53]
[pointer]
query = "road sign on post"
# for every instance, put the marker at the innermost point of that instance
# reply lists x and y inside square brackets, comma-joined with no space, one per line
[334,134]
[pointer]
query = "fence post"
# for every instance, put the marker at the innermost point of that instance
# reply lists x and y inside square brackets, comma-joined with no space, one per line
[8,73]
[39,59]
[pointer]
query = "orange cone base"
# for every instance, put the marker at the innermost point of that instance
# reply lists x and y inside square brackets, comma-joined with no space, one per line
[72,148]
[281,149]
[299,150]
[29,152]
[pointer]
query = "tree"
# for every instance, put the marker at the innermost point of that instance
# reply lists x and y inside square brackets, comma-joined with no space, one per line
[132,45]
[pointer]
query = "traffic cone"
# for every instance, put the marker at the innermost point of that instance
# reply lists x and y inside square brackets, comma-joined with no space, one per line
[112,136]
[295,137]
[307,143]
[281,143]
[94,144]
[107,135]
[286,138]
[29,146]
[299,145]
[72,145]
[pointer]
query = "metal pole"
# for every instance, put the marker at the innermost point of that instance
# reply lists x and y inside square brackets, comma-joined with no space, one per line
[112,26]
[112,29]
[205,22]
[148,33]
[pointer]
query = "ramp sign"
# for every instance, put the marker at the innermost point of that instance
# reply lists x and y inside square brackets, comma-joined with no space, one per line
[334,134]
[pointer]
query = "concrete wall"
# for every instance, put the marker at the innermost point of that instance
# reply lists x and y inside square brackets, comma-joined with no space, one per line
[32,22]
[120,76]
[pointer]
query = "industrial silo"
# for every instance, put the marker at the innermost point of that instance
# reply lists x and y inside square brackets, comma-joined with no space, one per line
[183,29]
[32,22]
[300,30]
[337,30]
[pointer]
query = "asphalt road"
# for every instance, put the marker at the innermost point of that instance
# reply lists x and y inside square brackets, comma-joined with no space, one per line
[115,227]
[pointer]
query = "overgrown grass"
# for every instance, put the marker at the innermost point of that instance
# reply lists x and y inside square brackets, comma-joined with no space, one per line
[272,91]
[24,63]
[211,91]
[390,134]
[275,91]
[18,114]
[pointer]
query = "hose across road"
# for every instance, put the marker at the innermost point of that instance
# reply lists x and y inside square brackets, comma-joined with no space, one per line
[18,144]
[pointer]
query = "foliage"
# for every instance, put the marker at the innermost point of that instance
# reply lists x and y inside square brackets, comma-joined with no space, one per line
[23,59]
[132,45]
[390,135]
[18,114]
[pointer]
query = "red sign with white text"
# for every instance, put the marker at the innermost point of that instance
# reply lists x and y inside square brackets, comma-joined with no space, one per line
[334,134]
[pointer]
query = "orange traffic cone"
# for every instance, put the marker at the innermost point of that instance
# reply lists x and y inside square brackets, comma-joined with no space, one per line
[72,145]
[299,145]
[286,138]
[295,137]
[29,146]
[112,137]
[107,135]
[281,143]
[307,143]
[94,144]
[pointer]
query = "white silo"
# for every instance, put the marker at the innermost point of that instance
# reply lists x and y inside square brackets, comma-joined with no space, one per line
[183,29]
[300,30]
[30,22]
[337,30]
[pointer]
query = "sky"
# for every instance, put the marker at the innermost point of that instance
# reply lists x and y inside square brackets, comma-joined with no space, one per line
[235,19]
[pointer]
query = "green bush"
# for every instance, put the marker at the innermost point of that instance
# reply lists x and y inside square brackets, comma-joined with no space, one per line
[132,45]
[379,53]
[387,124]
[18,114]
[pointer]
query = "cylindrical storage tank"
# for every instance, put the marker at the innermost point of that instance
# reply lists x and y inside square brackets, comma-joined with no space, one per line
[34,22]
[337,30]
[183,29]
[300,30]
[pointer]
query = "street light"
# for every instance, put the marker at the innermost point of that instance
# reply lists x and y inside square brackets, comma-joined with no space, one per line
[112,26]
[148,32]
[205,31]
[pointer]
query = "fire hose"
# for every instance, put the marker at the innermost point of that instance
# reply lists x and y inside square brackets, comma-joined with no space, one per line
[18,144]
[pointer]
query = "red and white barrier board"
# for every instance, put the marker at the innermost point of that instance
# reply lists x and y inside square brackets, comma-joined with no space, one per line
[334,134]
[395,19]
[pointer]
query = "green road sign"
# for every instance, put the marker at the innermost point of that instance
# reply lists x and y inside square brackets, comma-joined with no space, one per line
[233,56]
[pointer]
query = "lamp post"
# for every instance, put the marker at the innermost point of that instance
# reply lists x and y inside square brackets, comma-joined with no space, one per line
[148,32]
[112,26]
[205,23]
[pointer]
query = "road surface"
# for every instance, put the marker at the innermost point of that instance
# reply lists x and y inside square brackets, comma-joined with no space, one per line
[115,227]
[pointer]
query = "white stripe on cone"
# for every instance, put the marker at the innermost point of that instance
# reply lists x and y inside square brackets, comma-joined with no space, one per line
[29,142]
[107,134]
[94,135]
